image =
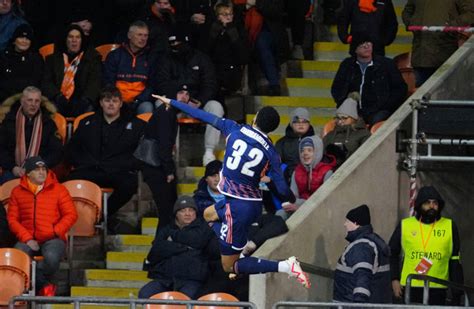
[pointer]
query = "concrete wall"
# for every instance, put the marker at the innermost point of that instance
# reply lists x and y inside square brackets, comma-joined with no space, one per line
[370,177]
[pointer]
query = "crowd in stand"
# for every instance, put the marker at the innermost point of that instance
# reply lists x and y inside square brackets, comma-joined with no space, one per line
[194,52]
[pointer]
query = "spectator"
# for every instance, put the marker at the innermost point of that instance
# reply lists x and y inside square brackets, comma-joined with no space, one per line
[374,19]
[188,66]
[129,68]
[377,79]
[267,35]
[7,240]
[40,213]
[20,64]
[314,169]
[72,74]
[441,251]
[350,131]
[431,49]
[10,19]
[207,193]
[363,271]
[101,151]
[27,130]
[94,32]
[160,19]
[228,50]
[298,13]
[162,127]
[288,146]
[178,259]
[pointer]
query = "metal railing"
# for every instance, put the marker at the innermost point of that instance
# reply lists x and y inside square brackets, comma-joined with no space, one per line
[426,288]
[284,304]
[132,302]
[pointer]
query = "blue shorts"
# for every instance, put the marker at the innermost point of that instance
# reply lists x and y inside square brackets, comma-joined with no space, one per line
[236,216]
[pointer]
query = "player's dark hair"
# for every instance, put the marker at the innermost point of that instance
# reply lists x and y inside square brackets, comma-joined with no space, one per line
[267,119]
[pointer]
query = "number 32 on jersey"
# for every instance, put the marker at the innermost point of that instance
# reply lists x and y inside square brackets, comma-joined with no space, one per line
[234,161]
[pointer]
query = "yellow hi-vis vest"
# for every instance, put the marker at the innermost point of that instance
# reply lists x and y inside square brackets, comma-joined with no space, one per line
[439,248]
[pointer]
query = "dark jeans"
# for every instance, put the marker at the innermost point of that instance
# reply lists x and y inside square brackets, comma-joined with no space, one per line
[268,56]
[437,296]
[296,19]
[164,193]
[190,288]
[124,184]
[52,251]
[422,75]
[373,118]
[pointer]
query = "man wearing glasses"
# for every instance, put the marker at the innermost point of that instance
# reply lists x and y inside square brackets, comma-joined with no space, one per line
[376,78]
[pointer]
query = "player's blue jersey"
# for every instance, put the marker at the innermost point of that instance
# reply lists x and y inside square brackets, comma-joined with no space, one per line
[249,153]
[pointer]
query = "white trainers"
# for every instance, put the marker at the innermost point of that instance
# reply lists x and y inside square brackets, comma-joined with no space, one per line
[208,157]
[297,272]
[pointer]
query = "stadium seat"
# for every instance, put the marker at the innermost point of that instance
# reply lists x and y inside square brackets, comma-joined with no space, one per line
[15,274]
[217,297]
[376,126]
[6,190]
[145,116]
[105,49]
[78,119]
[61,124]
[328,127]
[46,50]
[403,63]
[168,295]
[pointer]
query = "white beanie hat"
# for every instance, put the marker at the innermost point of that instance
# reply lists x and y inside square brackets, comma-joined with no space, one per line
[348,108]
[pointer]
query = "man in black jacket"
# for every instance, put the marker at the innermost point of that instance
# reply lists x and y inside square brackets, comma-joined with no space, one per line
[178,258]
[101,150]
[38,135]
[375,19]
[376,78]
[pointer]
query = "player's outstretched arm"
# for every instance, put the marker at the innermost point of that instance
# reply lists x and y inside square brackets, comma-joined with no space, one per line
[193,112]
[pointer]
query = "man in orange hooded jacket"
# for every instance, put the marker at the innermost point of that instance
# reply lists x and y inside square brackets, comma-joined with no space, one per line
[40,213]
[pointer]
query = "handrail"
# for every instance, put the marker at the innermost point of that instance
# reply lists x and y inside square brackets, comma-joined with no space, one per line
[339,305]
[426,279]
[131,301]
[316,270]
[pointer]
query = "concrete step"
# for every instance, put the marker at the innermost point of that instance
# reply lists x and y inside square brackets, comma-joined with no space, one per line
[130,243]
[85,291]
[338,51]
[114,278]
[188,188]
[125,260]
[297,101]
[319,69]
[149,226]
[403,36]
[309,87]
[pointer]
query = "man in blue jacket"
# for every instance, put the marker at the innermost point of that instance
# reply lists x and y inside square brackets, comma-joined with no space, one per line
[363,271]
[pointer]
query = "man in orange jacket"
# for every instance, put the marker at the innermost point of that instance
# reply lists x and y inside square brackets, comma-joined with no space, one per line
[40,212]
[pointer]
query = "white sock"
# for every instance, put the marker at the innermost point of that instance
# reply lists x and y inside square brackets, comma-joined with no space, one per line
[284,267]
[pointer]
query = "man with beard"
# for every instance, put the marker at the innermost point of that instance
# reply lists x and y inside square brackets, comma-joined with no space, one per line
[430,245]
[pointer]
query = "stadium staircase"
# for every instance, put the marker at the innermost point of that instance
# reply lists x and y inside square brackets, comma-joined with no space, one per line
[307,84]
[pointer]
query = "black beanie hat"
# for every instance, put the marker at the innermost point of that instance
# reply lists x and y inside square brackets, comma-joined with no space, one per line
[213,168]
[268,119]
[184,201]
[359,215]
[33,162]
[23,31]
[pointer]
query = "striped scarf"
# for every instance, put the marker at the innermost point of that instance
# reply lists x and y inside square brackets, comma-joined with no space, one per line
[70,69]
[21,153]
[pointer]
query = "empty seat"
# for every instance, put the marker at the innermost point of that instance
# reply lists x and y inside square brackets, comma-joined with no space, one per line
[105,49]
[403,63]
[78,119]
[218,297]
[145,116]
[61,124]
[328,127]
[46,50]
[15,273]
[168,295]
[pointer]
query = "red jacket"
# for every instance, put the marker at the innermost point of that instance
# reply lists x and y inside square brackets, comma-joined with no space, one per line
[307,183]
[48,214]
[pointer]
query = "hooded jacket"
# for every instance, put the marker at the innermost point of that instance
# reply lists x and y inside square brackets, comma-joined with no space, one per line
[48,214]
[287,148]
[363,271]
[8,23]
[19,70]
[350,136]
[306,179]
[51,146]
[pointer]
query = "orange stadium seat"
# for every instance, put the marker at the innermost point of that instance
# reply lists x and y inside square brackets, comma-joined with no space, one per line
[46,50]
[61,124]
[15,273]
[105,49]
[328,127]
[6,190]
[403,63]
[376,126]
[79,118]
[218,297]
[145,116]
[168,295]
